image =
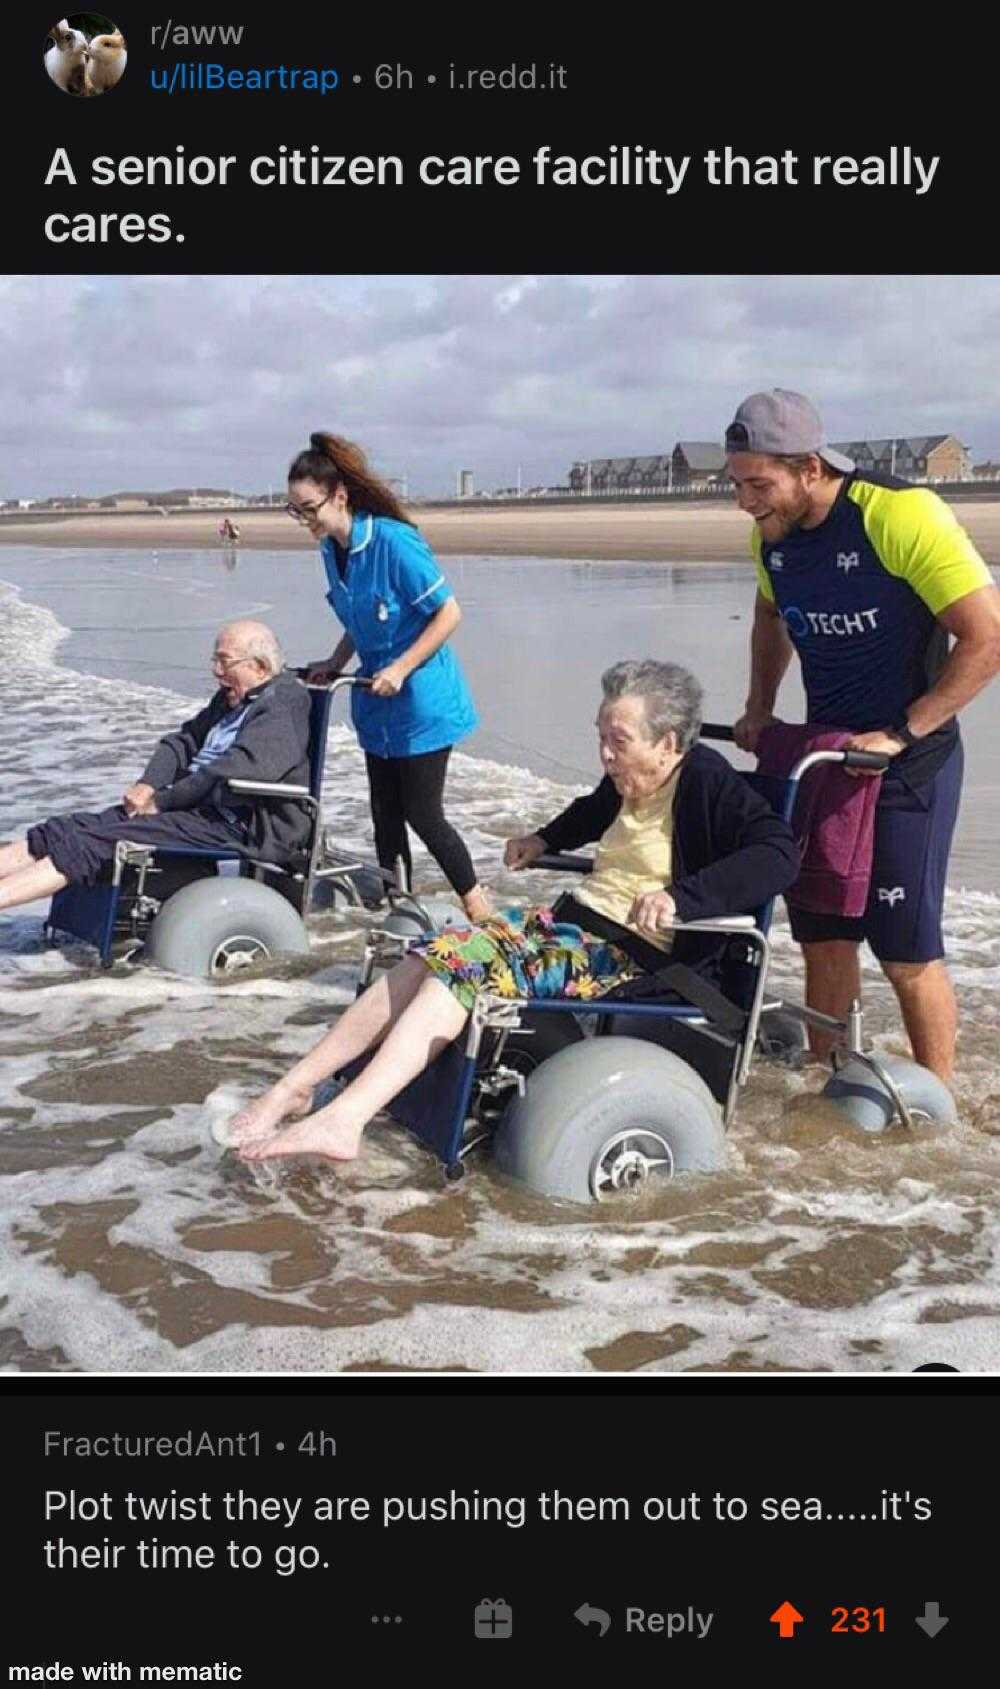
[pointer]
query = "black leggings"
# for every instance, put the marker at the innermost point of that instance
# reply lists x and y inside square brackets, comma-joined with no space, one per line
[411,790]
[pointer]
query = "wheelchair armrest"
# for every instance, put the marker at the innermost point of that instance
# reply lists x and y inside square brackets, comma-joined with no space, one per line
[715,923]
[564,864]
[268,789]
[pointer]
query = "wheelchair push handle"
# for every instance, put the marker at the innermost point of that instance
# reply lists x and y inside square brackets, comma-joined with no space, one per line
[361,680]
[351,680]
[876,761]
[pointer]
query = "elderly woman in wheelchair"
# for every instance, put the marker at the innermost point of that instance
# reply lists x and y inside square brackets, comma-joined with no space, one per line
[681,838]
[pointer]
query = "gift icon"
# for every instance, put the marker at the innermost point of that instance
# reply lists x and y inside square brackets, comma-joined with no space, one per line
[494,1619]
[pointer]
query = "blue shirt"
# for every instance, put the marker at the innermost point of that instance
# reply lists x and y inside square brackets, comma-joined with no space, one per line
[218,740]
[384,590]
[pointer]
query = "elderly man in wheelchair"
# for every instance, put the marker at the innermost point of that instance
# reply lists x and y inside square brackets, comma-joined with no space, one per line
[228,786]
[683,840]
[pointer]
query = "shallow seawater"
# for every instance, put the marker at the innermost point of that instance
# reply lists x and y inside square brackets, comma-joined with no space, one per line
[129,1242]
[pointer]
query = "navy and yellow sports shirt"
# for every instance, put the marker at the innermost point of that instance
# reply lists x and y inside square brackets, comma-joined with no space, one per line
[860,594]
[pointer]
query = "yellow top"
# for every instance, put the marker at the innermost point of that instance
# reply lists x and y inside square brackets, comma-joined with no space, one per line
[633,857]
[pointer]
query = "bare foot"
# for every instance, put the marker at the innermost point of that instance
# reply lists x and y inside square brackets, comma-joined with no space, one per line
[259,1118]
[330,1139]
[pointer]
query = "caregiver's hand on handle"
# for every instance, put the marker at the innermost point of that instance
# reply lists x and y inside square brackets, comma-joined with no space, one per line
[751,724]
[881,746]
[389,682]
[522,852]
[321,674]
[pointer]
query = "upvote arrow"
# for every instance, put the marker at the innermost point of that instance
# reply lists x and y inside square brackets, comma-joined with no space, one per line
[930,1620]
[786,1617]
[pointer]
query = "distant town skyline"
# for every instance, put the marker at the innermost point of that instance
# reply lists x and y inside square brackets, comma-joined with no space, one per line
[160,382]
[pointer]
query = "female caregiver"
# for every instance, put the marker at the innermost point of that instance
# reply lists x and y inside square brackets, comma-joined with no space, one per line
[398,611]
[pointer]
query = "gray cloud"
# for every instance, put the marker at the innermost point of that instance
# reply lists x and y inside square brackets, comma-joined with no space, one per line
[153,381]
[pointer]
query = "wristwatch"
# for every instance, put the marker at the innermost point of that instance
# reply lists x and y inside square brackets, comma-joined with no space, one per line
[902,730]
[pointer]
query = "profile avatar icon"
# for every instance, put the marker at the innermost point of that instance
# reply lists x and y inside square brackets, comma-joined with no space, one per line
[85,54]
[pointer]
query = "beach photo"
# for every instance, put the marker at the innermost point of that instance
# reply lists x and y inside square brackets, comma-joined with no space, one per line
[522,537]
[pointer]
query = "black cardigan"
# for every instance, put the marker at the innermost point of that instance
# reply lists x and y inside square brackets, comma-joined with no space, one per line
[730,852]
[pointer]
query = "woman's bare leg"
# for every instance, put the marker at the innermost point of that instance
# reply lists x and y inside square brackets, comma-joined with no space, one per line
[13,857]
[25,885]
[432,1021]
[361,1025]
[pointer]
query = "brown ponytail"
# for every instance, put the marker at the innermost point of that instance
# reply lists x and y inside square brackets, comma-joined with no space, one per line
[331,461]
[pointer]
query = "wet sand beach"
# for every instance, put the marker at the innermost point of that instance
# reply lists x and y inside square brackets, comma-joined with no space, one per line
[713,531]
[130,1243]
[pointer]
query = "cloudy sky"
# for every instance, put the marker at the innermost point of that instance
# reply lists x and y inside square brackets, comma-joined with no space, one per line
[111,383]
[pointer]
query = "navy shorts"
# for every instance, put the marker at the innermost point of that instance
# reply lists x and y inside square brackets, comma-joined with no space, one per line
[81,843]
[913,832]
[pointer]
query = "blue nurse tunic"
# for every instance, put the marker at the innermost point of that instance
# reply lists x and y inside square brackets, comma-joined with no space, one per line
[384,589]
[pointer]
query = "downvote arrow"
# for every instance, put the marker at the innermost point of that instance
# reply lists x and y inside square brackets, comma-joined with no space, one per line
[930,1620]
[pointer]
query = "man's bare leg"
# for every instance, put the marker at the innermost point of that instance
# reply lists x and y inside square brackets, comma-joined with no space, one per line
[930,1012]
[361,1025]
[433,1020]
[26,885]
[833,981]
[14,857]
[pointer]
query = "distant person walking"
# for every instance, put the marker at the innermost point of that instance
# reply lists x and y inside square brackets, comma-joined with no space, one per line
[865,577]
[398,612]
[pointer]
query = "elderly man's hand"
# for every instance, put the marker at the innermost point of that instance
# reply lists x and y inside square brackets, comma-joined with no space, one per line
[522,852]
[653,912]
[138,800]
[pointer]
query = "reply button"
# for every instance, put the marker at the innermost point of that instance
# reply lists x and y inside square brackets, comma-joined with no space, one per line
[688,1623]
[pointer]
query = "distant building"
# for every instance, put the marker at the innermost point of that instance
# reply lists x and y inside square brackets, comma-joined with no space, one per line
[697,463]
[464,487]
[988,471]
[913,457]
[621,475]
[691,464]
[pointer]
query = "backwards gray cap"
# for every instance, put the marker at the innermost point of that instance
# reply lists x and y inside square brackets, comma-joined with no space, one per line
[782,424]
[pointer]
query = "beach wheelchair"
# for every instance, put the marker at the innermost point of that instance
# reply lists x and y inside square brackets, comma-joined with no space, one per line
[213,913]
[586,1100]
